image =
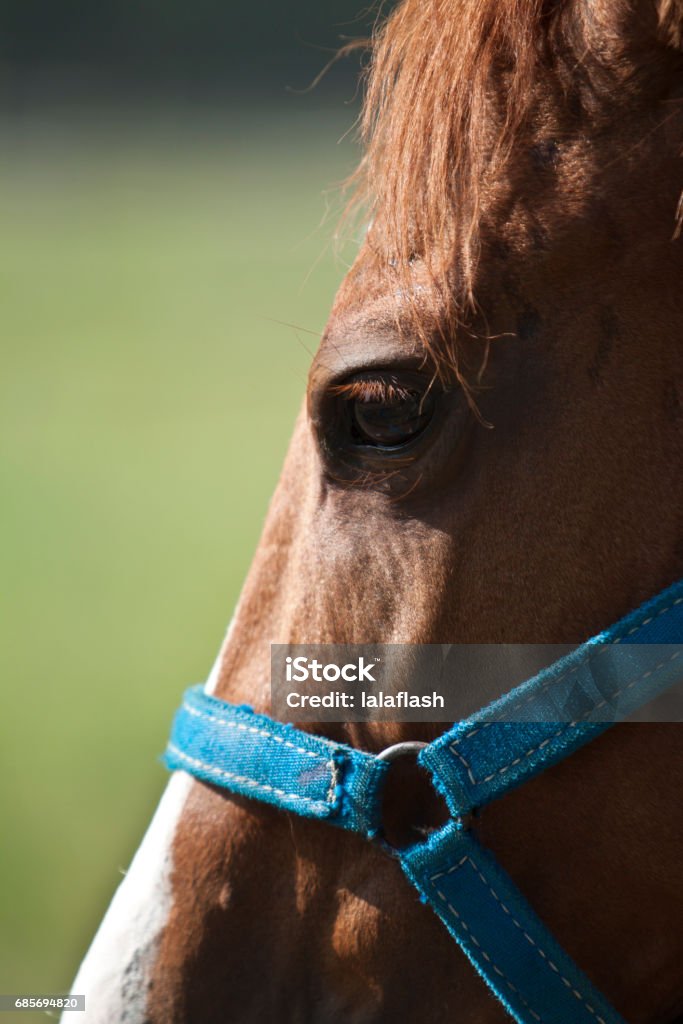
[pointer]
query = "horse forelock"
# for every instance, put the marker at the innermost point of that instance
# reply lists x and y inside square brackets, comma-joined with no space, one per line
[436,121]
[454,89]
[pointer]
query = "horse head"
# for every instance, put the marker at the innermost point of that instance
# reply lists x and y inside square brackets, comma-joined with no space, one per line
[489,451]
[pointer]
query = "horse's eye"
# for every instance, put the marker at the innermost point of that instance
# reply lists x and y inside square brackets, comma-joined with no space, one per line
[384,410]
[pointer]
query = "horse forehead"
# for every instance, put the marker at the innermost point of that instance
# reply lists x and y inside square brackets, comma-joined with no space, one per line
[374,285]
[374,309]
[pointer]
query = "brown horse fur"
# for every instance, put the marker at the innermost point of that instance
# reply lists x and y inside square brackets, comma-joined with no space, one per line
[522,177]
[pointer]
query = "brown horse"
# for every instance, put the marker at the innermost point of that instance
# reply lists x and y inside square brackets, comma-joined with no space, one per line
[490,451]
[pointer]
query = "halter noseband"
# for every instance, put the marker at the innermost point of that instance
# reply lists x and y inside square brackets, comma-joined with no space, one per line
[477,761]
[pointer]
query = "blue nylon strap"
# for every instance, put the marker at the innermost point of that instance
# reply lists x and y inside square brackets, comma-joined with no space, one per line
[253,755]
[502,936]
[549,717]
[475,762]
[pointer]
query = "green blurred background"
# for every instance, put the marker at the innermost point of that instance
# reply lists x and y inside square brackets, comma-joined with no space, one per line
[167,201]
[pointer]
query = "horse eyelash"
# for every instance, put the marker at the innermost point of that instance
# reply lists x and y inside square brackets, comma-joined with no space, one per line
[372,390]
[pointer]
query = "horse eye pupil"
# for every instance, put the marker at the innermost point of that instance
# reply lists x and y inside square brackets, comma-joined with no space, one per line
[390,423]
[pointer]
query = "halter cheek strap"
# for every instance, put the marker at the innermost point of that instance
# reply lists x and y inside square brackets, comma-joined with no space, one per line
[547,718]
[475,762]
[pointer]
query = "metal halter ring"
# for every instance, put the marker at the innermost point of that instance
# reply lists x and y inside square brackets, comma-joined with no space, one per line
[410,748]
[401,750]
[407,749]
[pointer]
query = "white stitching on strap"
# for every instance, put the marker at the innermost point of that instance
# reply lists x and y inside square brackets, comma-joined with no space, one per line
[575,668]
[476,942]
[646,622]
[244,779]
[252,728]
[549,739]
[541,952]
[334,779]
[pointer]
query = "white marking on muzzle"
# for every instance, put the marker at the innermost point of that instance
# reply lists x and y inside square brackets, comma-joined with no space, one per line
[115,974]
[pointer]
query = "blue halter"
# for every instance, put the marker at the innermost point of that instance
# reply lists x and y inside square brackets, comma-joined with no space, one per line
[475,762]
